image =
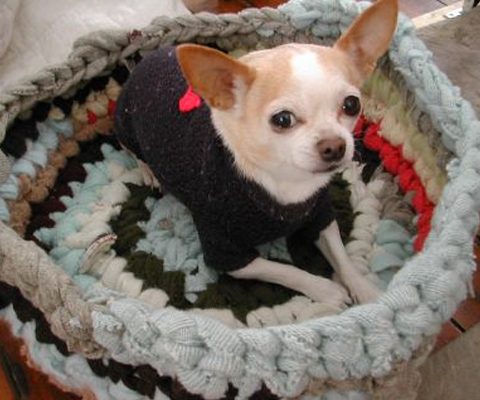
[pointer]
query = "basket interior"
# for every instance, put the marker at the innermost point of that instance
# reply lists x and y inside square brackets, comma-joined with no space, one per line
[80,197]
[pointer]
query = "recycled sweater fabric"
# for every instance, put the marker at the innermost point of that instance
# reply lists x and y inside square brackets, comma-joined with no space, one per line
[232,214]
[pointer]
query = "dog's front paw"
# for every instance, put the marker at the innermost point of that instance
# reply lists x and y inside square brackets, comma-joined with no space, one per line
[364,291]
[326,291]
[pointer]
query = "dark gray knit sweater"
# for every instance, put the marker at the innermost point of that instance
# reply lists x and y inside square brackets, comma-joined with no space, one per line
[233,215]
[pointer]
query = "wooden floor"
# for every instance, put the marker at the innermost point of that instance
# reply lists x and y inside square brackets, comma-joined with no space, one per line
[448,374]
[18,381]
[453,372]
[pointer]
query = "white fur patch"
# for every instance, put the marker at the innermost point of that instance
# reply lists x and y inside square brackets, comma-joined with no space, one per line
[307,69]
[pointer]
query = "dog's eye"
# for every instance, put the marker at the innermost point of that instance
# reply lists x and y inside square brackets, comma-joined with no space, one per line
[283,120]
[351,106]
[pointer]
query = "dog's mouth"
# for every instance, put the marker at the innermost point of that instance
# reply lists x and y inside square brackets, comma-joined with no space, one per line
[333,167]
[329,168]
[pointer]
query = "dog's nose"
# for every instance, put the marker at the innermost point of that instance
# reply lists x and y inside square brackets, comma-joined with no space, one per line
[331,149]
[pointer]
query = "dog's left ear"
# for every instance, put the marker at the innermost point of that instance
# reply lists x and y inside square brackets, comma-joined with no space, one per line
[369,36]
[214,75]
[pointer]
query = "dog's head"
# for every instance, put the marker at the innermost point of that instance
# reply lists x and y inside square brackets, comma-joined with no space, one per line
[287,113]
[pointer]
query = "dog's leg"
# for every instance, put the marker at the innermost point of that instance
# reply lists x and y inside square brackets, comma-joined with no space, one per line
[330,244]
[315,287]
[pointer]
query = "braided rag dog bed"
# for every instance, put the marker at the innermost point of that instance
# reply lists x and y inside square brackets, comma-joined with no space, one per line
[91,261]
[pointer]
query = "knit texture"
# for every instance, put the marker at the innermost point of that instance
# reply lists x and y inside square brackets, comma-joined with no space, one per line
[363,346]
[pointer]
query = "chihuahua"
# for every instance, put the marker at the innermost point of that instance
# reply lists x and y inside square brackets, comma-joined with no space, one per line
[250,145]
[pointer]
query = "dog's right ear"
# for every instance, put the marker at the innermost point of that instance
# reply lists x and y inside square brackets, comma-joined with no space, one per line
[214,75]
[369,35]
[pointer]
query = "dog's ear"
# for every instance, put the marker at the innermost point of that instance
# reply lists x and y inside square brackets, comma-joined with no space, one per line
[368,38]
[214,75]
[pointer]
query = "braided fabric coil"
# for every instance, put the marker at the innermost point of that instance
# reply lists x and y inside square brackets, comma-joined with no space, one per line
[364,342]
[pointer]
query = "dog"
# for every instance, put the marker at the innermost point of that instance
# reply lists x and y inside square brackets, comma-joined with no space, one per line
[250,145]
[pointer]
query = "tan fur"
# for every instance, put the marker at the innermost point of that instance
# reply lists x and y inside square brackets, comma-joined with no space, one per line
[213,74]
[369,36]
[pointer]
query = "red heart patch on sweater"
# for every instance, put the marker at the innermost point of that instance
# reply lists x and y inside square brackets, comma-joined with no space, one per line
[190,101]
